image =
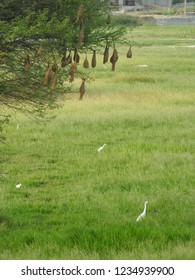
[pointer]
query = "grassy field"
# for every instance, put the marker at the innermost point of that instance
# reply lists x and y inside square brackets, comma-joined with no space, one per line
[76,203]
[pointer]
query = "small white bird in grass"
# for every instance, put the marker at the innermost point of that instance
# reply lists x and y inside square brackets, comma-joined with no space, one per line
[18,186]
[143,214]
[101,148]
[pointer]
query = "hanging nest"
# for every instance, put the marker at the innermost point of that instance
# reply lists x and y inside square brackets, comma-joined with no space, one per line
[82,89]
[72,71]
[114,59]
[93,61]
[81,34]
[86,63]
[54,81]
[48,75]
[80,13]
[76,56]
[69,58]
[79,20]
[129,53]
[64,60]
[106,54]
[27,63]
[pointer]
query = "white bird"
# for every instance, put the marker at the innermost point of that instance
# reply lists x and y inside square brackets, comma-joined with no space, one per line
[143,214]
[18,186]
[101,148]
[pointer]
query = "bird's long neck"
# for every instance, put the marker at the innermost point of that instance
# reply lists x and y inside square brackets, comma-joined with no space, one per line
[145,207]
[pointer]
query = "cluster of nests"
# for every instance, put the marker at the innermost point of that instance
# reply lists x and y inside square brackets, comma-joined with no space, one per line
[50,76]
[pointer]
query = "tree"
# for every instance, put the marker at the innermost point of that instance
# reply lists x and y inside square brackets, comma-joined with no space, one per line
[40,42]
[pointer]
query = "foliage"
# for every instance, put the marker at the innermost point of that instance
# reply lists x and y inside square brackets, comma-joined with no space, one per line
[37,42]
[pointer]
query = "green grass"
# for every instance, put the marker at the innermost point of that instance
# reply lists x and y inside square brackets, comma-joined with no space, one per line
[75,203]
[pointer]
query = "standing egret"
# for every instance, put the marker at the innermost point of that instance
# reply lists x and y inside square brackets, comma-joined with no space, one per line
[101,148]
[18,186]
[143,214]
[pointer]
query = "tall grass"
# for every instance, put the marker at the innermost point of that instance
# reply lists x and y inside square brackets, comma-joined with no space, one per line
[76,203]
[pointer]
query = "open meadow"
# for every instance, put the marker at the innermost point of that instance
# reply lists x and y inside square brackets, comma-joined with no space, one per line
[76,203]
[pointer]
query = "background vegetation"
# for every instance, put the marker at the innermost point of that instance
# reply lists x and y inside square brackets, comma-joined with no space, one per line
[76,203]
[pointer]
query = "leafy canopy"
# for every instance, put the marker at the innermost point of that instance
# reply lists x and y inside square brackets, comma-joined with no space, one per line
[40,42]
